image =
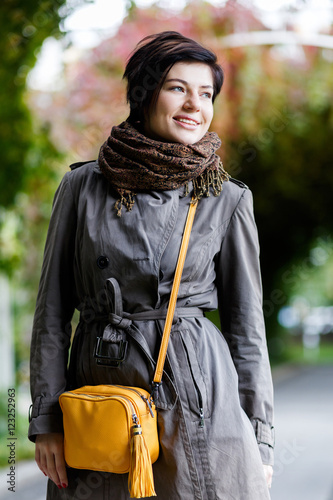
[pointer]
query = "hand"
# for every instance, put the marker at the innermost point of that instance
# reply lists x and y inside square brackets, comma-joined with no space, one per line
[49,456]
[268,471]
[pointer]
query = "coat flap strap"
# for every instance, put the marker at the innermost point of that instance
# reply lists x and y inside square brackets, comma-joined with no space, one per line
[264,433]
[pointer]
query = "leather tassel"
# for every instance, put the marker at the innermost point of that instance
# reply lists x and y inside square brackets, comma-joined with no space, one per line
[140,476]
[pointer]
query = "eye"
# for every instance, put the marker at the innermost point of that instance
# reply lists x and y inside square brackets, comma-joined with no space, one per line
[177,88]
[207,95]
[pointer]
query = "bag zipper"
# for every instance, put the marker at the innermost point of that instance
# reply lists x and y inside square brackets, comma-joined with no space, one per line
[146,400]
[92,396]
[135,418]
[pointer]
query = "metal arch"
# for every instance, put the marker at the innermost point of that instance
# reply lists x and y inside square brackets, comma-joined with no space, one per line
[277,38]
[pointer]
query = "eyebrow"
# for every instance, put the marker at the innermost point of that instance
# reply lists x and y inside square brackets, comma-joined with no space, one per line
[186,83]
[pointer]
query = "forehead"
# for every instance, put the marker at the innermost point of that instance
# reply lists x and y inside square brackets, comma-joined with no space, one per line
[194,73]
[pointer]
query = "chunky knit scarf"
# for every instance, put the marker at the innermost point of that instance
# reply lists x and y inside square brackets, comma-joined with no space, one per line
[132,162]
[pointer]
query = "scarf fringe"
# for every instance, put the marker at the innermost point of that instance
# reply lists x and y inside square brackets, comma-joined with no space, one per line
[201,187]
[210,179]
[126,199]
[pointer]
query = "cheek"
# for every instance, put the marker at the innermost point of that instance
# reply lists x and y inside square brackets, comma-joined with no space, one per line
[164,105]
[158,115]
[209,115]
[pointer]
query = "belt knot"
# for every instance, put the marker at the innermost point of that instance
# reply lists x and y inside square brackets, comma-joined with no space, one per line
[119,321]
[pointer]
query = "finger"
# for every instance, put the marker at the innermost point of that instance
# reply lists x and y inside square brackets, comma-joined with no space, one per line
[37,455]
[61,468]
[52,470]
[41,464]
[56,468]
[268,474]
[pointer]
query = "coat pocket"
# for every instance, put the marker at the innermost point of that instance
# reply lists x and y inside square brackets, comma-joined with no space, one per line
[192,376]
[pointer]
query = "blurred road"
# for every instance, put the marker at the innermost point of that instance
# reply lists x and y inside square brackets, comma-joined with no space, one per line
[304,441]
[30,483]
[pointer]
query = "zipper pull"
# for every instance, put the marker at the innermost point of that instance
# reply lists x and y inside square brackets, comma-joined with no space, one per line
[201,421]
[146,400]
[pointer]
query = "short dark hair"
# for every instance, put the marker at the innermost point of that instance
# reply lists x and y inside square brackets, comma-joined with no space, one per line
[150,63]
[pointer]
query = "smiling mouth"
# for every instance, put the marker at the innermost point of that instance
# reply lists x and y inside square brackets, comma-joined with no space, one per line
[186,121]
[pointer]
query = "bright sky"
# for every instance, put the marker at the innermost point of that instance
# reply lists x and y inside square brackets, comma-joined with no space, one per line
[97,20]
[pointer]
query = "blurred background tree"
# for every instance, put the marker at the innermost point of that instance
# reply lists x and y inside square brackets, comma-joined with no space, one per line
[25,24]
[29,174]
[28,156]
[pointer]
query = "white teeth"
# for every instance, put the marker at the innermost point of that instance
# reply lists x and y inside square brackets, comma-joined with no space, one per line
[184,120]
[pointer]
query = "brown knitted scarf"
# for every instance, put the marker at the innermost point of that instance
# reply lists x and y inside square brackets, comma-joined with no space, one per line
[132,162]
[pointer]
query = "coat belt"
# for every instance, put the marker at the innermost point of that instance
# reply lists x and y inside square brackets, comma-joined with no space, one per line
[180,312]
[126,318]
[122,319]
[111,348]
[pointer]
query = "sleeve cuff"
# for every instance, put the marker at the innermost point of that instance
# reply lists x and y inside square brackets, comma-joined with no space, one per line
[44,417]
[266,439]
[267,454]
[44,424]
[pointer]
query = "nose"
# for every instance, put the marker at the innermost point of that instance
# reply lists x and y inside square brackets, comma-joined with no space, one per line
[192,102]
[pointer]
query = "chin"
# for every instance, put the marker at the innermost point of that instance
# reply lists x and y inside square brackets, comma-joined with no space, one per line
[186,139]
[191,141]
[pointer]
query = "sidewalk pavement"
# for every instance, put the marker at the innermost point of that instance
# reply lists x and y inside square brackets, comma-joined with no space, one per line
[30,483]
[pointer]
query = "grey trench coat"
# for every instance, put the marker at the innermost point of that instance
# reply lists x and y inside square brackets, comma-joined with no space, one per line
[215,406]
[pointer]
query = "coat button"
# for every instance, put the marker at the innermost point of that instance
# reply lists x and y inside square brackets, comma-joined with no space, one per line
[103,262]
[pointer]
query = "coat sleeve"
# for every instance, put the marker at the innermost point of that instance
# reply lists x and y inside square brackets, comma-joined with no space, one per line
[52,321]
[242,321]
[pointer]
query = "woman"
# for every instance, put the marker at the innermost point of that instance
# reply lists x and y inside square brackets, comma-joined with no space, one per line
[215,415]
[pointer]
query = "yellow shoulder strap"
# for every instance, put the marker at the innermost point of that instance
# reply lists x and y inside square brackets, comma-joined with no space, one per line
[174,293]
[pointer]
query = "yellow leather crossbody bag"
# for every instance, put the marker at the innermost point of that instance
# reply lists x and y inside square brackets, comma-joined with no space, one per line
[113,428]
